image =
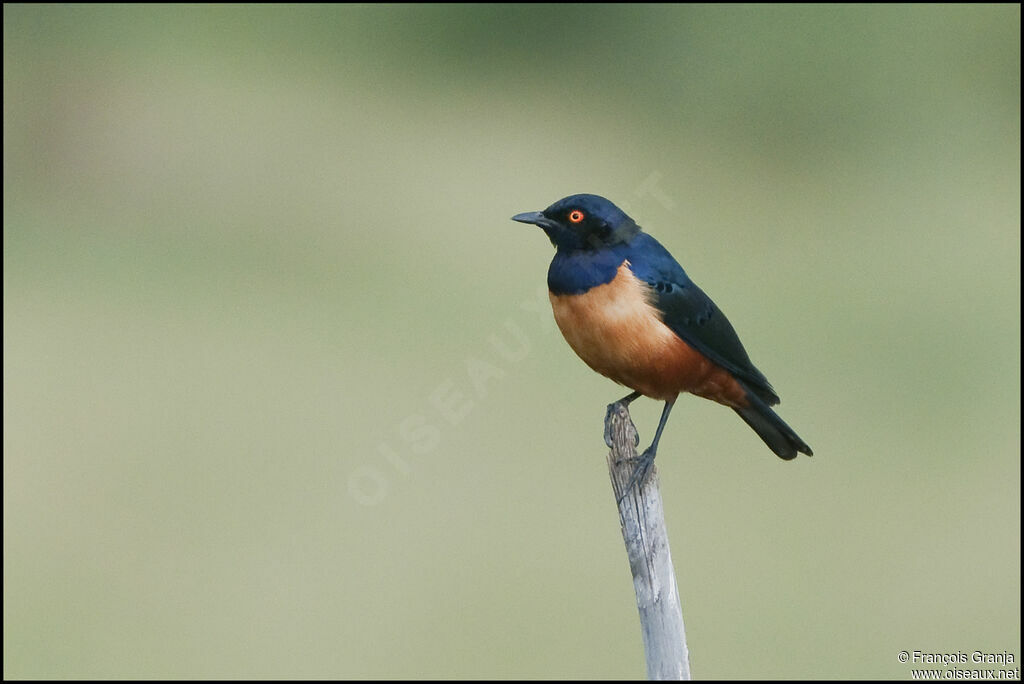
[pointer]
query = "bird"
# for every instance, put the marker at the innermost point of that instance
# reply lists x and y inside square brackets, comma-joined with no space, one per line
[630,312]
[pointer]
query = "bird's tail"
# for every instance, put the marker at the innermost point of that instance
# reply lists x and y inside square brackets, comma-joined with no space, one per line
[779,437]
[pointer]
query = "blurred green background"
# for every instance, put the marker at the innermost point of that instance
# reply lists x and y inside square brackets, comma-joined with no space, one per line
[282,392]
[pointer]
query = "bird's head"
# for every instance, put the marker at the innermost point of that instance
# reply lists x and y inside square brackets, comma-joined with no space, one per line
[586,222]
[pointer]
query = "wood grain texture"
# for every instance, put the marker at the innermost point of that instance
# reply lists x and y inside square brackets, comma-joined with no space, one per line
[643,530]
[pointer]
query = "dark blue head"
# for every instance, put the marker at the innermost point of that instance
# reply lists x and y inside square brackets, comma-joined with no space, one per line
[582,222]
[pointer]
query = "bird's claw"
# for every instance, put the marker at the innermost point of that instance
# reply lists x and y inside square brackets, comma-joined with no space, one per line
[640,473]
[608,436]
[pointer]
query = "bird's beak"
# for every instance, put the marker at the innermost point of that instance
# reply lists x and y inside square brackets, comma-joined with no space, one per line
[535,217]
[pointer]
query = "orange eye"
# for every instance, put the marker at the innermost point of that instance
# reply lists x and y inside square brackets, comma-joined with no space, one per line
[575,216]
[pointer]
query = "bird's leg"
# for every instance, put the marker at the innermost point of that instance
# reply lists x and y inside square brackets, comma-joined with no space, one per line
[608,414]
[625,401]
[646,459]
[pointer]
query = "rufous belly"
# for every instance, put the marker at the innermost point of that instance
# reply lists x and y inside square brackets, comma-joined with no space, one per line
[619,333]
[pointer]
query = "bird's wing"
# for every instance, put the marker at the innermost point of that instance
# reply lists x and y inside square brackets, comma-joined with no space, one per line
[691,315]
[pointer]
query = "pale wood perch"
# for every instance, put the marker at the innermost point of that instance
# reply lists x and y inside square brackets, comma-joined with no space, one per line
[650,560]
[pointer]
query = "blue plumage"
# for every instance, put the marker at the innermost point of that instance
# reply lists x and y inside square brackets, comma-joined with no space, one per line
[593,238]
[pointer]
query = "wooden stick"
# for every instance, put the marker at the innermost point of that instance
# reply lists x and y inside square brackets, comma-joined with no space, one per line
[650,560]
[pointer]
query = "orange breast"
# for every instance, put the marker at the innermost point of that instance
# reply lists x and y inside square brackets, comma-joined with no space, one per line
[619,333]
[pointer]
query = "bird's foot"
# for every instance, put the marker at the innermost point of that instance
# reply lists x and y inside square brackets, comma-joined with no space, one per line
[608,423]
[644,462]
[608,436]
